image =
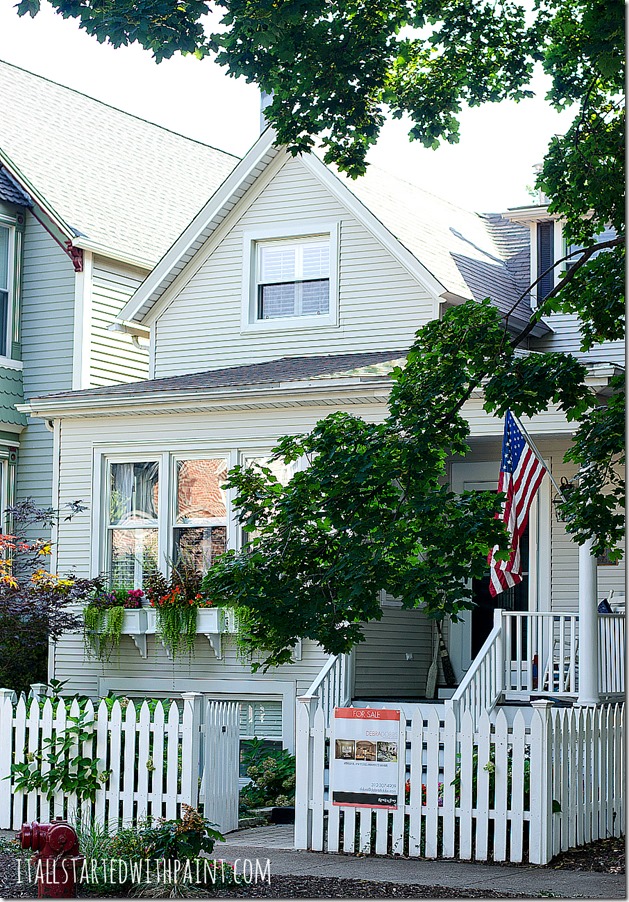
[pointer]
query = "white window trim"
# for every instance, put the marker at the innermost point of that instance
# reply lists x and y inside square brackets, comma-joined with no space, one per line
[167,459]
[231,457]
[298,231]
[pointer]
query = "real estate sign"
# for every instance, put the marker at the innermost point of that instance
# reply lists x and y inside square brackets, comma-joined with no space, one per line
[364,768]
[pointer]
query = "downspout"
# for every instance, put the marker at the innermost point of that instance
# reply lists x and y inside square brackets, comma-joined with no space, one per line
[54,426]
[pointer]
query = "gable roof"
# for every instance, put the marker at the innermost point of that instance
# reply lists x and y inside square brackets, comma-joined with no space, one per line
[116,183]
[456,254]
[473,255]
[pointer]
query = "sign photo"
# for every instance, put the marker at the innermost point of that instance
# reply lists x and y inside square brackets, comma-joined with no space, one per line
[365,750]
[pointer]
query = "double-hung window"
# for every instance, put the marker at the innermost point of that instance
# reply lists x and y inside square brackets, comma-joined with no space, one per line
[200,522]
[293,278]
[162,512]
[133,522]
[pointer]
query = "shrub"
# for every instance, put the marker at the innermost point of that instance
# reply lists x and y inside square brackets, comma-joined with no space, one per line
[272,773]
[35,605]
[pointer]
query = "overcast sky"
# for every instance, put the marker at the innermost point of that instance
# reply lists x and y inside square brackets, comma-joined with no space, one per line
[489,170]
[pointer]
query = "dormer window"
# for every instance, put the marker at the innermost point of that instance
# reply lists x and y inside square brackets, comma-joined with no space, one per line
[545,259]
[290,281]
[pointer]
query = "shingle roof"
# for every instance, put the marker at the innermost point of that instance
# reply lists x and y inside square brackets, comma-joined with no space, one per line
[124,183]
[472,255]
[11,192]
[11,393]
[288,369]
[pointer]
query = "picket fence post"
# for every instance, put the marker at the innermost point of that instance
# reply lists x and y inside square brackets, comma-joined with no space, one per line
[540,836]
[303,775]
[6,756]
[190,748]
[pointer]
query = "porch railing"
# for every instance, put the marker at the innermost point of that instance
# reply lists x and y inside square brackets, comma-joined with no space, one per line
[482,685]
[611,654]
[541,653]
[332,686]
[536,653]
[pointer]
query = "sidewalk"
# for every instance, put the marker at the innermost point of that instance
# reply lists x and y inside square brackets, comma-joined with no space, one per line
[275,843]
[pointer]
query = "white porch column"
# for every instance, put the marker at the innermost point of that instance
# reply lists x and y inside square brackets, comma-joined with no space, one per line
[588,627]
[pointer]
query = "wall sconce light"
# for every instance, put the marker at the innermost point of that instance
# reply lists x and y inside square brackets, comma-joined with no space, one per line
[565,487]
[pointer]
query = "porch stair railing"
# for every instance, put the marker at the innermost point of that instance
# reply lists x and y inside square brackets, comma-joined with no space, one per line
[332,686]
[482,685]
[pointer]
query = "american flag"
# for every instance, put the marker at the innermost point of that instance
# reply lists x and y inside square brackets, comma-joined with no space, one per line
[521,473]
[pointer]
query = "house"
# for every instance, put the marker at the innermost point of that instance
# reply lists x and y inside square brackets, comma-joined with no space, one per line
[90,199]
[290,294]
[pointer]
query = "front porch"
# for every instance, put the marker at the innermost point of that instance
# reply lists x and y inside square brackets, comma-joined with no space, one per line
[513,767]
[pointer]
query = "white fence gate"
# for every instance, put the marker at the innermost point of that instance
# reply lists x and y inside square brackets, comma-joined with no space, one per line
[510,792]
[152,761]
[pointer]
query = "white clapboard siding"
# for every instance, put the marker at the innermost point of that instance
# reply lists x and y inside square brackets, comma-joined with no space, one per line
[113,355]
[377,294]
[501,791]
[137,760]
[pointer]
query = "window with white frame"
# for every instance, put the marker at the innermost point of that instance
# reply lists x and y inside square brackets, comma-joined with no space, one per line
[144,534]
[293,278]
[6,275]
[132,522]
[200,521]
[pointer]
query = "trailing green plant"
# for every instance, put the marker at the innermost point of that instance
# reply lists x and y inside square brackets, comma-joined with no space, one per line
[103,619]
[272,773]
[67,770]
[176,600]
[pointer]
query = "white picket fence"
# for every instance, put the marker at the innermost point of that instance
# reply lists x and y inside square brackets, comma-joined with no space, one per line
[152,761]
[500,791]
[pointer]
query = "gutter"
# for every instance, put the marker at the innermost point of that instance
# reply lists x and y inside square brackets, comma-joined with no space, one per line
[281,393]
[229,395]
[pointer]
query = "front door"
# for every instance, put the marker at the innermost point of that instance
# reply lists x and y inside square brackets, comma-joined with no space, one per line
[467,636]
[515,599]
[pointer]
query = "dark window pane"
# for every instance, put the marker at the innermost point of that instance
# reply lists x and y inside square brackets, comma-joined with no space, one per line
[545,258]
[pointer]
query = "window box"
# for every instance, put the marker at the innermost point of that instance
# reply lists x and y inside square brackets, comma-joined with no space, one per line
[211,622]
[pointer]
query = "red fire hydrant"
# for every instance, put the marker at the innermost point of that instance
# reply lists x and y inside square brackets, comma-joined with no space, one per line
[57,857]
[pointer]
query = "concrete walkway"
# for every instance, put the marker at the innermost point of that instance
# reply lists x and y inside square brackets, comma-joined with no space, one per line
[275,843]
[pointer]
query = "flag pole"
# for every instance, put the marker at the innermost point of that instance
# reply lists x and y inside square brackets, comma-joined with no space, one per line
[537,454]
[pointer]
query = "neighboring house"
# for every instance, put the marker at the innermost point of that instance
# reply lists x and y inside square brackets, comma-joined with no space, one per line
[90,199]
[289,295]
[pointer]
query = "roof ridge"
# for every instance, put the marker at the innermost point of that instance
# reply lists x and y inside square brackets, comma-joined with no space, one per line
[110,106]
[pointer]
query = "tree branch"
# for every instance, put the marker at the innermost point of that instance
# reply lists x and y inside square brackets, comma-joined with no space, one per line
[586,253]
